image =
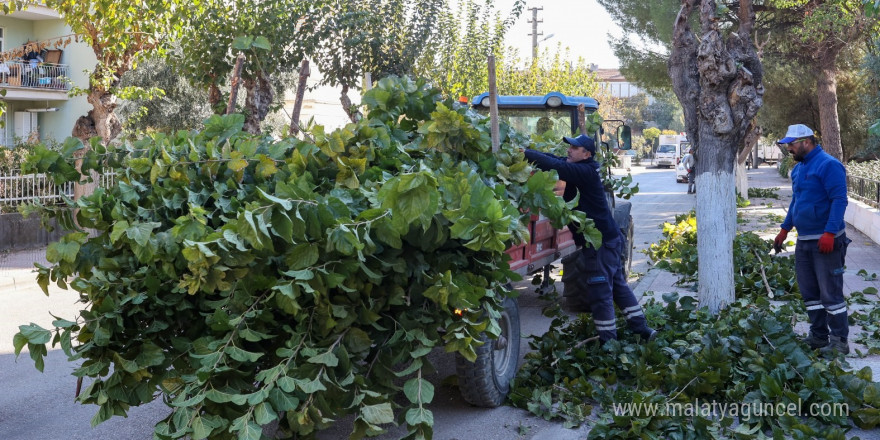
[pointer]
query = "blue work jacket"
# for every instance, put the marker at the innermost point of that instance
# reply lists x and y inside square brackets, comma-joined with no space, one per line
[819,196]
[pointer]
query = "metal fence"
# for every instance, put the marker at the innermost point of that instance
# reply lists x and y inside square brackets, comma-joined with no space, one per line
[19,189]
[863,189]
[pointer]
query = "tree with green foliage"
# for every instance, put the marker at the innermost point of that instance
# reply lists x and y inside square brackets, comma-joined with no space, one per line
[548,72]
[817,33]
[872,9]
[273,35]
[455,59]
[179,105]
[379,37]
[871,100]
[121,35]
[790,87]
[718,78]
[644,64]
[651,133]
[665,111]
[814,32]
[635,109]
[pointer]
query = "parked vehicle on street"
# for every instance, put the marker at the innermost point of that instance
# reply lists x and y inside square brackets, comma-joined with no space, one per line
[486,381]
[769,154]
[669,150]
[681,174]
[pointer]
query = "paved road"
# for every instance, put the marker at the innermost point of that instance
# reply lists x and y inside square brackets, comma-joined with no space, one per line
[40,406]
[659,200]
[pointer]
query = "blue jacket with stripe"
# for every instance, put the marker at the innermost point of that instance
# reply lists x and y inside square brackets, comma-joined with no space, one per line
[819,196]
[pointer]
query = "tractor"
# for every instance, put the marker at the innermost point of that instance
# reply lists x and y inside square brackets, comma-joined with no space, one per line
[486,381]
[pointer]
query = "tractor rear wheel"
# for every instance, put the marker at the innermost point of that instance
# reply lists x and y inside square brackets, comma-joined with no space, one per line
[486,381]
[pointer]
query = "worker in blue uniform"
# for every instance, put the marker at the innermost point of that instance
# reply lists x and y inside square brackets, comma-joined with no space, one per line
[602,269]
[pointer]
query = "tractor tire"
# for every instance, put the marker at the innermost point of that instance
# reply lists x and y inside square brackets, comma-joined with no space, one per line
[486,381]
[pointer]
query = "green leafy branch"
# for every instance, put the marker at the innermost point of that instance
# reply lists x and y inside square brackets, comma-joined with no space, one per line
[240,277]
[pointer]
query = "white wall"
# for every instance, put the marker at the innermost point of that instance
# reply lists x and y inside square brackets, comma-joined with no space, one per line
[82,60]
[864,218]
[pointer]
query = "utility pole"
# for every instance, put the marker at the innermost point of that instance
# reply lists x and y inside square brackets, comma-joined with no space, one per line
[534,21]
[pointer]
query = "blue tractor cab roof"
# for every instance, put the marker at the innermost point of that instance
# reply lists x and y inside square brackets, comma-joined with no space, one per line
[550,100]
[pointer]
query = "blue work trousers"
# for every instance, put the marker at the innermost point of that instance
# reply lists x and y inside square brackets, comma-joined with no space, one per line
[820,278]
[606,285]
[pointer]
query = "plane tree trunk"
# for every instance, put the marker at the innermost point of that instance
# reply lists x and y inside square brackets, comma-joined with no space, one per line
[718,80]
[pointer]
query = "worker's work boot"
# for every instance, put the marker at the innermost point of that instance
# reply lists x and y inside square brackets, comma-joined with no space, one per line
[837,344]
[816,342]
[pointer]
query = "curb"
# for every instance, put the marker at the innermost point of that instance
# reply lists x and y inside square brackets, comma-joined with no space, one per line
[645,283]
[14,279]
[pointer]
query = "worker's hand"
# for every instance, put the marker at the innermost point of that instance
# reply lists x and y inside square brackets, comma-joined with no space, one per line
[826,243]
[779,241]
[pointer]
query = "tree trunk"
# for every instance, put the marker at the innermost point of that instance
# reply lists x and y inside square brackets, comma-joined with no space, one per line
[346,104]
[215,99]
[826,88]
[102,122]
[742,181]
[718,83]
[234,85]
[304,73]
[741,178]
[259,97]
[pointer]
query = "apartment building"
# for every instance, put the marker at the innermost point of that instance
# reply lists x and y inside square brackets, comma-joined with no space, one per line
[616,84]
[37,83]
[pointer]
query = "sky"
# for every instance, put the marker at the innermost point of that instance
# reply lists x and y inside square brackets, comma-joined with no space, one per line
[581,25]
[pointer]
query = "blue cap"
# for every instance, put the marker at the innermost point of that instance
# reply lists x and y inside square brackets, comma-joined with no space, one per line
[582,141]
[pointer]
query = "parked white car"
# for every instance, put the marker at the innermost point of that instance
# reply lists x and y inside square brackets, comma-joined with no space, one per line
[681,174]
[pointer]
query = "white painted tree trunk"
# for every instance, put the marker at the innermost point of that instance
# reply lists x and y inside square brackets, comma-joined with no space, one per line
[742,180]
[716,229]
[717,78]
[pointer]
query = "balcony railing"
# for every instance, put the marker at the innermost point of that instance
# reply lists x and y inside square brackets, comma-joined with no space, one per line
[31,75]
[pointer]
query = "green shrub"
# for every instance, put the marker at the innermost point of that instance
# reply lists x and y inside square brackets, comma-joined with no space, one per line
[785,166]
[764,193]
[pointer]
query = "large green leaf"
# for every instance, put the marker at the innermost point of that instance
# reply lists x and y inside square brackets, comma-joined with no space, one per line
[378,414]
[418,390]
[141,232]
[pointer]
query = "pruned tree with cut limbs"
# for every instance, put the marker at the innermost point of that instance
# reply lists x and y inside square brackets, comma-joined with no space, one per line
[717,77]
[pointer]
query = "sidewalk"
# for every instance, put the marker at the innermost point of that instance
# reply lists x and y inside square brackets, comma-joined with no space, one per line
[17,267]
[862,253]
